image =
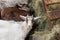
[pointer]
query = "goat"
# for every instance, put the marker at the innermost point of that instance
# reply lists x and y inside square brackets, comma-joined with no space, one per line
[12,13]
[12,30]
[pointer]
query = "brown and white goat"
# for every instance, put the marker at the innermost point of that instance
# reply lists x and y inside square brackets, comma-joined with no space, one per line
[12,13]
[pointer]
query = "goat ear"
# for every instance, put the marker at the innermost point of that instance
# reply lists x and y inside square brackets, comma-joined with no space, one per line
[36,18]
[23,17]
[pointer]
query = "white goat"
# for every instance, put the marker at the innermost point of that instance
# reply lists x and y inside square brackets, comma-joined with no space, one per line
[11,30]
[11,3]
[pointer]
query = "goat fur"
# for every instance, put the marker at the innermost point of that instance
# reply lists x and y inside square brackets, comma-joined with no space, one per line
[12,13]
[11,30]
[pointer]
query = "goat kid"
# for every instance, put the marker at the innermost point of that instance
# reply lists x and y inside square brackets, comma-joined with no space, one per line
[11,30]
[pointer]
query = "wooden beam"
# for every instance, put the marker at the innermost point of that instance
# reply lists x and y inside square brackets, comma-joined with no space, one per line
[51,1]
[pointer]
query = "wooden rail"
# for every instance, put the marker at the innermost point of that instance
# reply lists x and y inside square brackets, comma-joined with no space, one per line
[55,14]
[51,1]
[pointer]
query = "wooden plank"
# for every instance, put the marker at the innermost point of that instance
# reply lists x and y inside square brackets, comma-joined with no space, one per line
[51,1]
[54,14]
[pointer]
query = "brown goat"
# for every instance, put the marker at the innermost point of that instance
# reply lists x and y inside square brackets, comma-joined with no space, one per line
[13,13]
